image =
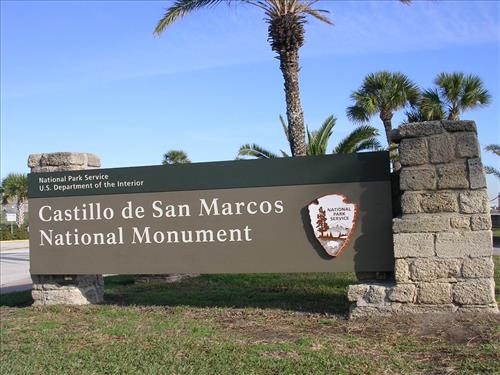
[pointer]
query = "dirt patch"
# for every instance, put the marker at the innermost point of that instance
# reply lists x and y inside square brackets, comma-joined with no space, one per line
[279,325]
[450,328]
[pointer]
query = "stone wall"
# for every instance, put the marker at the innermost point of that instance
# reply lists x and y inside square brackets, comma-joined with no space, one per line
[443,238]
[65,289]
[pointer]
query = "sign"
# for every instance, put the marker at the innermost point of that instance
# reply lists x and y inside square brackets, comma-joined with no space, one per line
[10,217]
[305,214]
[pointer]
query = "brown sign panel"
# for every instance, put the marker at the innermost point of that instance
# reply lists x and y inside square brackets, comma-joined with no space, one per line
[284,217]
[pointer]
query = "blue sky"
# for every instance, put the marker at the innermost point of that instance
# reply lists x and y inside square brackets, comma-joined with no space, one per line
[90,76]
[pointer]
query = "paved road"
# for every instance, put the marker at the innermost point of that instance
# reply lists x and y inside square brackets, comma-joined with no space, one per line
[14,267]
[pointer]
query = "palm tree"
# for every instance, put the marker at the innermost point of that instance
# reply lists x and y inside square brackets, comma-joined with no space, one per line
[455,93]
[175,157]
[15,187]
[286,19]
[360,139]
[383,93]
[492,170]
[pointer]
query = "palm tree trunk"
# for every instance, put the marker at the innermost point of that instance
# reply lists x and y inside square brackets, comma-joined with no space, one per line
[386,117]
[289,65]
[20,213]
[454,115]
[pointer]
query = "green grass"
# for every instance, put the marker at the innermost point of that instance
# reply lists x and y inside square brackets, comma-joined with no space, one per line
[237,324]
[496,232]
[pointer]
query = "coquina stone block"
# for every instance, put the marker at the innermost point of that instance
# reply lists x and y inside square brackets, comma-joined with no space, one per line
[34,160]
[459,126]
[460,222]
[434,293]
[410,202]
[417,178]
[477,309]
[432,269]
[93,161]
[474,202]
[477,177]
[463,244]
[478,268]
[420,129]
[452,176]
[416,308]
[64,158]
[474,292]
[413,151]
[467,145]
[401,271]
[376,294]
[357,292]
[441,148]
[440,201]
[480,222]
[402,293]
[413,245]
[422,223]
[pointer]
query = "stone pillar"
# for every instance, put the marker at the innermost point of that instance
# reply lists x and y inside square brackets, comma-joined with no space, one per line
[443,239]
[65,289]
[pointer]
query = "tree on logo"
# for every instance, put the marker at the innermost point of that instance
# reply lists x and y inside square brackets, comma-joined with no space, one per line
[321,224]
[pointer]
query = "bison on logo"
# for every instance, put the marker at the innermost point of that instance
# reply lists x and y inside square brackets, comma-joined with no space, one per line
[333,220]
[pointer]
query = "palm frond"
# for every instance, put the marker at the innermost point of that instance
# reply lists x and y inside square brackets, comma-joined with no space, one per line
[357,114]
[431,105]
[364,134]
[255,151]
[318,140]
[372,144]
[318,14]
[491,170]
[413,115]
[493,148]
[284,125]
[473,93]
[181,8]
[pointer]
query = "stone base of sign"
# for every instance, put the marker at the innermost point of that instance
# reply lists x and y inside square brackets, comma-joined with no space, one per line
[64,289]
[163,279]
[392,298]
[443,239]
[67,290]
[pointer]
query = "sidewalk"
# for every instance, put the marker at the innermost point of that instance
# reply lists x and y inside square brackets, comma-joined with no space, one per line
[14,266]
[14,245]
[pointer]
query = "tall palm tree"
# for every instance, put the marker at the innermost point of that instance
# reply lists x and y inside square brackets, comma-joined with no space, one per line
[455,93]
[383,93]
[175,157]
[360,139]
[286,20]
[15,187]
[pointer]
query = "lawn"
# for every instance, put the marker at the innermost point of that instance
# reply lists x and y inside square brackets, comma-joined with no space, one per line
[238,324]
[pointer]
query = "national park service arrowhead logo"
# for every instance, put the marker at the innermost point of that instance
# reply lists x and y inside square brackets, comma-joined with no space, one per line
[333,220]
